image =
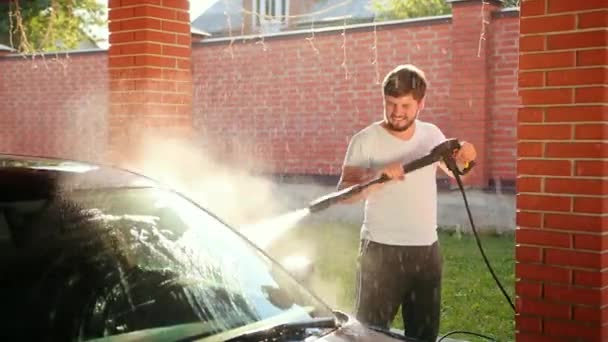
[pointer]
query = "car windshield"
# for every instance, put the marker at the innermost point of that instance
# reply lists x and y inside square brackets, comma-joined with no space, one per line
[122,262]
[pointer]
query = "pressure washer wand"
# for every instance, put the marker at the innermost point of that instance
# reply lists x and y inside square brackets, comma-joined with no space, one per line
[443,150]
[327,201]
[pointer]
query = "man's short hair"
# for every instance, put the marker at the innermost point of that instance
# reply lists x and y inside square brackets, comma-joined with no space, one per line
[403,80]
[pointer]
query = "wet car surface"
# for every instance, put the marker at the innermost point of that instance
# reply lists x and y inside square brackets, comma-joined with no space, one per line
[94,253]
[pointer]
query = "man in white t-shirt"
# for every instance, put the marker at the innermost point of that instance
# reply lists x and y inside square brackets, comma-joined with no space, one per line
[400,261]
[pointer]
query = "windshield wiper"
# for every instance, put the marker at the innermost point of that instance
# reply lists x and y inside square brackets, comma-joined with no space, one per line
[287,329]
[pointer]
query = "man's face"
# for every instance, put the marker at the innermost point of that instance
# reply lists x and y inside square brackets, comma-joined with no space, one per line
[400,112]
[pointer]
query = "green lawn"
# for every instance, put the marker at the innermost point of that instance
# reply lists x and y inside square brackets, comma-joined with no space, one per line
[471,299]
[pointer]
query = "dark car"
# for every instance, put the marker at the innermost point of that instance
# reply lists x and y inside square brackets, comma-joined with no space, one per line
[96,253]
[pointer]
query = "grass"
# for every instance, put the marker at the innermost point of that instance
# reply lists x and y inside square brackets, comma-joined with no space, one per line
[471,300]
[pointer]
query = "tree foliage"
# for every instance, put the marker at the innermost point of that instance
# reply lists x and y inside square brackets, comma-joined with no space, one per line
[511,3]
[403,9]
[31,26]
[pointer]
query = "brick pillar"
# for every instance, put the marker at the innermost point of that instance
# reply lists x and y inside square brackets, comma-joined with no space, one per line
[562,188]
[150,74]
[469,110]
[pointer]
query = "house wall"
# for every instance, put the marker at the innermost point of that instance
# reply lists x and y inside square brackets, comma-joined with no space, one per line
[296,9]
[285,104]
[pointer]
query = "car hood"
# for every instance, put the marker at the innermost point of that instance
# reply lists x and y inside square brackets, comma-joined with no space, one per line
[353,331]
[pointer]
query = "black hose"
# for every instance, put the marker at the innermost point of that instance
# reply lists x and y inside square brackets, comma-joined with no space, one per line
[465,332]
[483,254]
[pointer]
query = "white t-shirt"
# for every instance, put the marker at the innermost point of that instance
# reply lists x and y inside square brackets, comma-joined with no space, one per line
[401,212]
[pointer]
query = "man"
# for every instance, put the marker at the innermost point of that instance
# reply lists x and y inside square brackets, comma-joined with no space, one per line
[399,257]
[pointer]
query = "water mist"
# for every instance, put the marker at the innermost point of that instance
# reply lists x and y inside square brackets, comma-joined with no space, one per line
[265,232]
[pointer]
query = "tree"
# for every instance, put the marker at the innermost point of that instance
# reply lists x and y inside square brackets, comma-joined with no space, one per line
[31,26]
[511,3]
[403,9]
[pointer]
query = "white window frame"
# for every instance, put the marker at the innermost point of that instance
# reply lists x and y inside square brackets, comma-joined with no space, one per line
[268,15]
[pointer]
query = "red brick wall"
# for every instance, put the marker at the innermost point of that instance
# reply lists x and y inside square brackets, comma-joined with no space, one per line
[562,188]
[291,102]
[54,106]
[288,102]
[294,102]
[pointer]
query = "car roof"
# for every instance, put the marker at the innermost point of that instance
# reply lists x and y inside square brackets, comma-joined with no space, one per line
[23,177]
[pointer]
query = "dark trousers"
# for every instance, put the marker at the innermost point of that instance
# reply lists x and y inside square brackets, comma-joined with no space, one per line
[407,276]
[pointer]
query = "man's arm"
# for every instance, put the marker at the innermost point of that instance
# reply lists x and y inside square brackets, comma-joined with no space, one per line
[352,175]
[356,169]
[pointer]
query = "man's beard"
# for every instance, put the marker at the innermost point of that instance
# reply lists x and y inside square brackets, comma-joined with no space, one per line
[404,128]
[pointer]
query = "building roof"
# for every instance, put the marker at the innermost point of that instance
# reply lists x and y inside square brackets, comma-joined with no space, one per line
[215,19]
[337,11]
[6,48]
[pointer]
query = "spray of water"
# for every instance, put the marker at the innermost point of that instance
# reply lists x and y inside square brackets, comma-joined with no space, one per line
[250,203]
[267,231]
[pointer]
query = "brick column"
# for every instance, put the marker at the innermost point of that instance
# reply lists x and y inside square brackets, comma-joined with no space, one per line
[150,74]
[469,110]
[562,186]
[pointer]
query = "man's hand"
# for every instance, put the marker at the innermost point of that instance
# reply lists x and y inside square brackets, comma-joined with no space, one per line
[466,153]
[355,175]
[394,171]
[462,156]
